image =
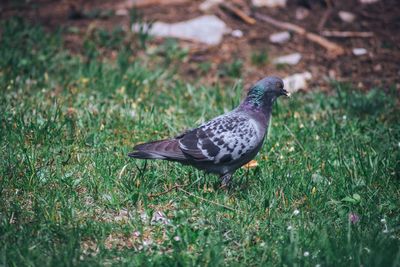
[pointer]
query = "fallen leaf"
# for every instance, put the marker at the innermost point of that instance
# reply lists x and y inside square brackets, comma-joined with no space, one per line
[251,164]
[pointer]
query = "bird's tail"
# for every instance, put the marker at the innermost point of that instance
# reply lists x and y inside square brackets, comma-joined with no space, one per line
[163,149]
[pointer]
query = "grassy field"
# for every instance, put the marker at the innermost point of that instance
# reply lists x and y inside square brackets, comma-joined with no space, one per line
[325,192]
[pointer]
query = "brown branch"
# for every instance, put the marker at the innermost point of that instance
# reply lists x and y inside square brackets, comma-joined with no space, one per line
[332,48]
[347,34]
[243,16]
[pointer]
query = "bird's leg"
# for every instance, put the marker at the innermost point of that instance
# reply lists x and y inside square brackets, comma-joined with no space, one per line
[141,170]
[225,180]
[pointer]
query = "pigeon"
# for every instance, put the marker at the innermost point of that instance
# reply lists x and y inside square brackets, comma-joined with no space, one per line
[225,143]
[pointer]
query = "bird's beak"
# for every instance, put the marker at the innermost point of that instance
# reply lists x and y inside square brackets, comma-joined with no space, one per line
[284,92]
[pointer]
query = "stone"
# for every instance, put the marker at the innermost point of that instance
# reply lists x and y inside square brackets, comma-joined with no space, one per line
[301,13]
[368,1]
[269,3]
[297,81]
[208,4]
[237,33]
[346,16]
[279,37]
[359,51]
[291,59]
[207,29]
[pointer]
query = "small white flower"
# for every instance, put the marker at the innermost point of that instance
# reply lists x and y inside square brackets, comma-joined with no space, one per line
[296,212]
[306,254]
[318,265]
[383,220]
[344,117]
[289,227]
[177,238]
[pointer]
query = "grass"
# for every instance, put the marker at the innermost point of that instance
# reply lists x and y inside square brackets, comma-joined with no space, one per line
[71,197]
[259,58]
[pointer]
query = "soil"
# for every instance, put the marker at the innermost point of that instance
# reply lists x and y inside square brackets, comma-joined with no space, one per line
[379,68]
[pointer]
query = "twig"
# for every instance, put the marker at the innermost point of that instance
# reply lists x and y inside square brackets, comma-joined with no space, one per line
[333,49]
[167,191]
[206,200]
[347,34]
[324,19]
[243,16]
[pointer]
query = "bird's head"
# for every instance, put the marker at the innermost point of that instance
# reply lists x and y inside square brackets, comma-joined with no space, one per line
[264,92]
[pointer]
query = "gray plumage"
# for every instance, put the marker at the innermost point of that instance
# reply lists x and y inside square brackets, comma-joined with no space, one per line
[225,143]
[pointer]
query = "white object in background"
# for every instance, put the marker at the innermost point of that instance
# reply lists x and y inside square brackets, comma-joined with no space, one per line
[297,81]
[301,13]
[368,1]
[279,37]
[291,59]
[122,12]
[206,29]
[269,3]
[237,33]
[346,16]
[208,4]
[359,51]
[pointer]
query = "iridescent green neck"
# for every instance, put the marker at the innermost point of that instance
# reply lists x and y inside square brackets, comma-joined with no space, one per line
[255,95]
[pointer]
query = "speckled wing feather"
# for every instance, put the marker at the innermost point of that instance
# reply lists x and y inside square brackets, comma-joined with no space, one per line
[162,149]
[224,139]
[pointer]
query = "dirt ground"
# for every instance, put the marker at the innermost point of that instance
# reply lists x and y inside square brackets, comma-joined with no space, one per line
[380,67]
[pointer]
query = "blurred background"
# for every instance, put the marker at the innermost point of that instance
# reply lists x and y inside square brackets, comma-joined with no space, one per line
[82,82]
[355,41]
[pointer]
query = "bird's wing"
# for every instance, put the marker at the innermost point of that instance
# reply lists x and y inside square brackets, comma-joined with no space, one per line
[221,140]
[161,149]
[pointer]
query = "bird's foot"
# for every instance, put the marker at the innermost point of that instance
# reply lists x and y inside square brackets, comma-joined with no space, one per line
[225,180]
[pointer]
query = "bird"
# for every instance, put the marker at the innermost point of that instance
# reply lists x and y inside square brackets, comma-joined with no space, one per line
[225,143]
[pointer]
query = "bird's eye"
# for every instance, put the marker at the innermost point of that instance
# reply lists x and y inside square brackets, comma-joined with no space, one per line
[279,85]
